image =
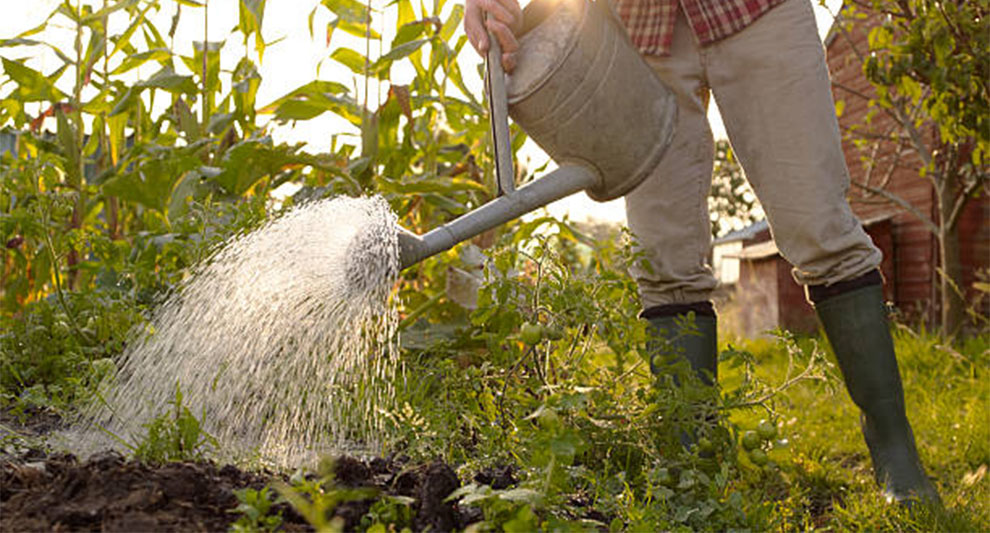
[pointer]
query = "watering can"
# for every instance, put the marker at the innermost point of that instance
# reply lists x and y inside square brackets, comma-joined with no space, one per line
[584,94]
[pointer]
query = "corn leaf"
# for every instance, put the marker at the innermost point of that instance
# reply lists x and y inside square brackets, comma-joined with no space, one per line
[349,10]
[33,86]
[350,59]
[134,61]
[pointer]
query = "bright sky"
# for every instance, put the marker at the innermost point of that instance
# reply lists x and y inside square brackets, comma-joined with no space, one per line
[295,59]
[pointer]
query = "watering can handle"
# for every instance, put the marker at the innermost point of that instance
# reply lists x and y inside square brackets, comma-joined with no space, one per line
[498,108]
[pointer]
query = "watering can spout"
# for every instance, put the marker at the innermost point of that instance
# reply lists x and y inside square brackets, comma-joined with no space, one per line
[412,248]
[565,181]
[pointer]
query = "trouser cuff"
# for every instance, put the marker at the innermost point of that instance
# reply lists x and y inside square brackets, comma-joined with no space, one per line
[820,293]
[698,308]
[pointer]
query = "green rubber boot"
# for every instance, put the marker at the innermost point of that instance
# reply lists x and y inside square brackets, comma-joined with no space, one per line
[691,338]
[697,345]
[857,328]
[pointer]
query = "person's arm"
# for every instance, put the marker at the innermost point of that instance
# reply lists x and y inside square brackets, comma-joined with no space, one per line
[504,24]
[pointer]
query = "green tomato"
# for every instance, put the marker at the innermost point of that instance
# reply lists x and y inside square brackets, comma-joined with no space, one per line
[705,445]
[531,333]
[548,419]
[664,478]
[554,334]
[758,456]
[60,328]
[767,430]
[63,210]
[750,440]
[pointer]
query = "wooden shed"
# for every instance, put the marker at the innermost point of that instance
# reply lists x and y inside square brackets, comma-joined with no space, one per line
[765,296]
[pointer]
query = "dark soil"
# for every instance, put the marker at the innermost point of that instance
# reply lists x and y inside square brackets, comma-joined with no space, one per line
[428,485]
[109,493]
[58,492]
[30,423]
[42,491]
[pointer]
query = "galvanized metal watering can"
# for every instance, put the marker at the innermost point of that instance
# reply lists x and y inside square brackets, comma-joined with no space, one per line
[584,94]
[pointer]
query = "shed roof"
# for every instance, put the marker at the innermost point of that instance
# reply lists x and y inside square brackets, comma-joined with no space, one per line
[743,234]
[756,251]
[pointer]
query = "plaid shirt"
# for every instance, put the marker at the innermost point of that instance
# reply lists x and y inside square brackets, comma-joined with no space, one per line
[650,23]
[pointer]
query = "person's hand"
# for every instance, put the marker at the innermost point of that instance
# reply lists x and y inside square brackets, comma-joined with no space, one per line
[504,24]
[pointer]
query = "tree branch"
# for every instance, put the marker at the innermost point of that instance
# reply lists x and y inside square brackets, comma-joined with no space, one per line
[904,119]
[896,112]
[905,9]
[862,4]
[961,202]
[849,39]
[901,202]
[871,163]
[852,91]
[893,166]
[855,131]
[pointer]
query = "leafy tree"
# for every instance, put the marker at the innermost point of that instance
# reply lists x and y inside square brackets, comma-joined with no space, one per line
[732,204]
[926,61]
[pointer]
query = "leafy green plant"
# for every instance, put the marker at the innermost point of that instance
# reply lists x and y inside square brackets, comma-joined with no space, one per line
[54,355]
[504,509]
[175,435]
[114,170]
[255,507]
[316,497]
[389,513]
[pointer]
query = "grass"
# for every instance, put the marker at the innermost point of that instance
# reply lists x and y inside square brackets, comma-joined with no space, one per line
[826,482]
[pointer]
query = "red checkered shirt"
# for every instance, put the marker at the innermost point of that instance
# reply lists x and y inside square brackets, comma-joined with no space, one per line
[650,23]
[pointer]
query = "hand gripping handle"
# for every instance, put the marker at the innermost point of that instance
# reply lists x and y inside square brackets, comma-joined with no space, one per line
[498,108]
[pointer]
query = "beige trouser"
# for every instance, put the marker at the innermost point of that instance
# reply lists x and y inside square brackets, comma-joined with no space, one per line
[772,87]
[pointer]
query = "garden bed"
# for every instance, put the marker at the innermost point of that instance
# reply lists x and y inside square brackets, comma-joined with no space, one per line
[55,491]
[60,492]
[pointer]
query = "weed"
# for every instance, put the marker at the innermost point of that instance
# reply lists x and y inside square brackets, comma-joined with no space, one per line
[316,497]
[174,436]
[255,507]
[389,514]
